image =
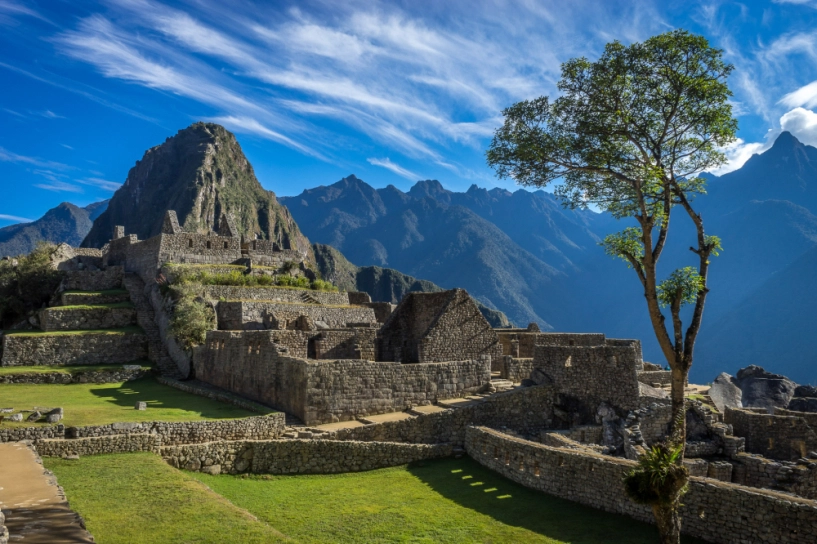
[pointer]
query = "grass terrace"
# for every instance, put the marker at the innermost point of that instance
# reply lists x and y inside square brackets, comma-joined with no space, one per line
[123,330]
[125,304]
[78,369]
[105,293]
[442,501]
[103,403]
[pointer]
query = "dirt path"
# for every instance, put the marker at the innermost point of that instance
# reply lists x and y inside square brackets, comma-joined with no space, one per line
[36,511]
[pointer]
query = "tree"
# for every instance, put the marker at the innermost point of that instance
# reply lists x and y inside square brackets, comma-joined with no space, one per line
[630,134]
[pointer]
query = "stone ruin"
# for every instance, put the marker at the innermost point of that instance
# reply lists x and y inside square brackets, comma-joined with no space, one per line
[330,357]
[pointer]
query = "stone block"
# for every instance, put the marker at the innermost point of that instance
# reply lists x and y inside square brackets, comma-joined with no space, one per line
[141,405]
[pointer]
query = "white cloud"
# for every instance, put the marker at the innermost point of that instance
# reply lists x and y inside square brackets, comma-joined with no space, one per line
[8,156]
[802,123]
[59,187]
[251,126]
[16,218]
[101,183]
[737,153]
[396,168]
[804,96]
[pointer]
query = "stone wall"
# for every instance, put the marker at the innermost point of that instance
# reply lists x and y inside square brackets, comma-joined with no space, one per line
[753,470]
[259,315]
[357,343]
[297,456]
[73,349]
[279,294]
[565,339]
[712,510]
[527,411]
[251,364]
[191,432]
[93,280]
[593,374]
[85,376]
[71,298]
[434,327]
[653,377]
[517,342]
[98,445]
[32,433]
[515,369]
[777,436]
[60,318]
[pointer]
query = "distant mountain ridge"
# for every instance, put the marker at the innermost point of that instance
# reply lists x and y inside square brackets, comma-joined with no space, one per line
[65,223]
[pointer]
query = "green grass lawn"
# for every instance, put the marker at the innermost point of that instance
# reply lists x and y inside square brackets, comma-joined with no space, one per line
[98,404]
[106,292]
[138,498]
[113,305]
[6,370]
[443,501]
[123,330]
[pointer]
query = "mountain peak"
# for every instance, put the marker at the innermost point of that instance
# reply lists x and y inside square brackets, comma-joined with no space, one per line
[429,188]
[786,140]
[200,173]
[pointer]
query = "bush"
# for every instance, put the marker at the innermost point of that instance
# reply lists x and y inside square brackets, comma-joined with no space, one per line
[26,283]
[659,479]
[192,318]
[321,285]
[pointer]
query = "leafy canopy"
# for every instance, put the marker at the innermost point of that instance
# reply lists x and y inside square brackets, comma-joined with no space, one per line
[630,132]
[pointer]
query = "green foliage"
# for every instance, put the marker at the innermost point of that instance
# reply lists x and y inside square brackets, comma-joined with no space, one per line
[681,287]
[659,479]
[626,245]
[630,132]
[26,283]
[192,318]
[321,285]
[291,281]
[714,245]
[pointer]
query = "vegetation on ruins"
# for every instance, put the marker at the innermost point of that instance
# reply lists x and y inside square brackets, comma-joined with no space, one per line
[239,279]
[27,283]
[192,318]
[444,501]
[630,135]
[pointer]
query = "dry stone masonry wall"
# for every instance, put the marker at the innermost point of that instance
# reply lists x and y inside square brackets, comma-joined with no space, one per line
[713,511]
[786,437]
[124,374]
[257,315]
[60,318]
[73,349]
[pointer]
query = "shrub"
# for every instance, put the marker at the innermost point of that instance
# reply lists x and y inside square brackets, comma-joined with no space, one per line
[192,318]
[26,283]
[321,285]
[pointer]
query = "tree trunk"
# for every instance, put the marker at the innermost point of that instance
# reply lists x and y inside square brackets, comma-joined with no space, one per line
[678,424]
[669,524]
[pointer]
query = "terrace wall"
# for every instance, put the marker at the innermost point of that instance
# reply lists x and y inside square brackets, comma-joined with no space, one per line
[73,349]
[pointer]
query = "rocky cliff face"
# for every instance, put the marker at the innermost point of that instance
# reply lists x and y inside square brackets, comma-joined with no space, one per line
[200,173]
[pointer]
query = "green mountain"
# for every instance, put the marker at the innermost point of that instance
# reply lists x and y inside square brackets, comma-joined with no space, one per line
[383,284]
[200,173]
[65,223]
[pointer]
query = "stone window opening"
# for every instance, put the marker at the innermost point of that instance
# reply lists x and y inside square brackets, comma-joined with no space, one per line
[536,469]
[592,467]
[496,452]
[254,246]
[249,349]
[561,462]
[569,361]
[507,459]
[209,245]
[701,513]
[572,342]
[771,443]
[226,245]
[521,464]
[190,243]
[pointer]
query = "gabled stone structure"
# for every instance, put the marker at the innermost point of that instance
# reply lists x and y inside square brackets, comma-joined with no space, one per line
[434,327]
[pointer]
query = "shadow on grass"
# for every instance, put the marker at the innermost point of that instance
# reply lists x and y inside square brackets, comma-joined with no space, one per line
[162,398]
[473,486]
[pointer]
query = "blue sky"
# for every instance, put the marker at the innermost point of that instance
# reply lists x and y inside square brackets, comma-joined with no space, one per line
[390,91]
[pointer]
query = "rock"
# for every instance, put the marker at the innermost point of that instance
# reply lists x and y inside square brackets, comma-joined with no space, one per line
[6,410]
[73,457]
[304,434]
[56,412]
[53,418]
[16,417]
[34,416]
[803,404]
[212,469]
[805,391]
[141,405]
[725,392]
[645,390]
[761,389]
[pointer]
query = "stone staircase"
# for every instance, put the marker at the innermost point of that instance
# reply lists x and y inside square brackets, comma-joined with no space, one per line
[500,385]
[146,318]
[306,298]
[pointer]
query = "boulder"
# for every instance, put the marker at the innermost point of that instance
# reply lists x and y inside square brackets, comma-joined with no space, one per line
[725,392]
[762,389]
[645,390]
[16,417]
[803,404]
[34,416]
[53,418]
[539,377]
[141,405]
[805,391]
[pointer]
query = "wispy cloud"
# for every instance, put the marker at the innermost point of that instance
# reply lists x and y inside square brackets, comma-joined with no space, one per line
[59,187]
[6,217]
[396,168]
[101,183]
[8,156]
